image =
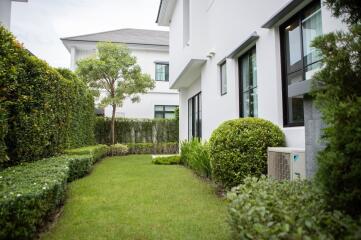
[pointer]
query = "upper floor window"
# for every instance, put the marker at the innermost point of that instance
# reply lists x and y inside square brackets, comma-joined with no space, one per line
[248,84]
[161,72]
[164,111]
[223,77]
[300,60]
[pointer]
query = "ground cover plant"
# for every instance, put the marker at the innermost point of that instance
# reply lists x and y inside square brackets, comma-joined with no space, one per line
[128,197]
[270,209]
[118,149]
[167,160]
[238,148]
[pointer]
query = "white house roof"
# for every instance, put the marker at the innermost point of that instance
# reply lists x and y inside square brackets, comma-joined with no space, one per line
[165,12]
[127,36]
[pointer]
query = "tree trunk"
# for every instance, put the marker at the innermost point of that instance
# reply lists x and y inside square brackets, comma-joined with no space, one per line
[113,123]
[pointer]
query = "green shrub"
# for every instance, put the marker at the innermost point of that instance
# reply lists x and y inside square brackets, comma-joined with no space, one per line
[195,155]
[337,90]
[151,148]
[238,148]
[31,192]
[97,151]
[118,149]
[270,209]
[169,160]
[137,130]
[41,112]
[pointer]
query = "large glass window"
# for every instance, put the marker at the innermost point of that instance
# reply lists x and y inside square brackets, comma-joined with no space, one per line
[223,76]
[300,60]
[195,117]
[164,111]
[248,84]
[161,72]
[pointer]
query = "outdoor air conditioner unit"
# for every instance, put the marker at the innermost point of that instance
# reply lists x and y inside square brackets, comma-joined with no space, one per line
[286,163]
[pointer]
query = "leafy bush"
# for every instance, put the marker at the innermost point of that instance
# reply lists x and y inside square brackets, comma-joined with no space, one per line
[238,148]
[41,112]
[337,89]
[269,209]
[118,150]
[97,151]
[137,130]
[30,192]
[153,148]
[195,155]
[169,160]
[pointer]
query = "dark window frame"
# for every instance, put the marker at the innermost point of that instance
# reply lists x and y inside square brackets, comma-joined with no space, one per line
[284,67]
[166,73]
[240,80]
[223,64]
[196,121]
[163,112]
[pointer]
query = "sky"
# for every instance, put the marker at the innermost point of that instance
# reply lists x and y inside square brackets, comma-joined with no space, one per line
[39,24]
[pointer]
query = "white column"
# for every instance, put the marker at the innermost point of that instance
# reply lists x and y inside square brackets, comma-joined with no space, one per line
[5,13]
[72,58]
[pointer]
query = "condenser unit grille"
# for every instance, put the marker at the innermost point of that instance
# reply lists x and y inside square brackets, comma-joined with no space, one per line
[279,165]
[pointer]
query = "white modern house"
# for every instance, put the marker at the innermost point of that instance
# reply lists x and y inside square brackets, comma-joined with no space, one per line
[240,58]
[152,51]
[5,12]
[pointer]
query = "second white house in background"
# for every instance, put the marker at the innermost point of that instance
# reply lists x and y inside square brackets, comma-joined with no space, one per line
[151,48]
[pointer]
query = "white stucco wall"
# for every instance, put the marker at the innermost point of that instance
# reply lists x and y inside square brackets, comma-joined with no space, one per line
[221,26]
[5,13]
[146,58]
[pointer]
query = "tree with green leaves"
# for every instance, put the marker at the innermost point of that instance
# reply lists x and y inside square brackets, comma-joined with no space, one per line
[337,91]
[115,70]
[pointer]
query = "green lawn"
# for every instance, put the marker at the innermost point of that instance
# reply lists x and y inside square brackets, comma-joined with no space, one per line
[130,198]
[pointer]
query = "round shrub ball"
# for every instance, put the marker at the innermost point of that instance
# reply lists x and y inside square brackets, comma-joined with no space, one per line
[238,148]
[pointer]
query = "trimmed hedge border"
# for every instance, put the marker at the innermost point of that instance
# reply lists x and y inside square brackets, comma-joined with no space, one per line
[31,192]
[153,148]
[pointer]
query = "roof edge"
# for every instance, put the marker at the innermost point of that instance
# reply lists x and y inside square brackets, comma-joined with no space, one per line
[165,12]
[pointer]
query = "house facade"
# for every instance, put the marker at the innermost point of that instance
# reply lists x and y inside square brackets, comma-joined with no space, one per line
[5,12]
[151,48]
[238,58]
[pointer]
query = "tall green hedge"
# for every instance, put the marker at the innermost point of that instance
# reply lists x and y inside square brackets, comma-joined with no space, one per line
[41,111]
[137,131]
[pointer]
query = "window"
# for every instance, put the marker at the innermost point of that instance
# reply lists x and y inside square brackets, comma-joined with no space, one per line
[223,76]
[248,84]
[164,111]
[195,117]
[161,72]
[299,60]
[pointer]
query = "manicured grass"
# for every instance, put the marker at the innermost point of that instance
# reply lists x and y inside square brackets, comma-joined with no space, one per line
[130,198]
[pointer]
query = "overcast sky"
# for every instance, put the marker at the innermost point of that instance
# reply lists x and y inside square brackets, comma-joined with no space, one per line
[40,24]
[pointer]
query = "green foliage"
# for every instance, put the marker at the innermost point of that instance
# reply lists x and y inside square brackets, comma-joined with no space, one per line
[153,148]
[168,160]
[31,192]
[115,70]
[118,149]
[270,209]
[38,112]
[195,155]
[136,130]
[238,148]
[337,90]
[97,151]
[350,10]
